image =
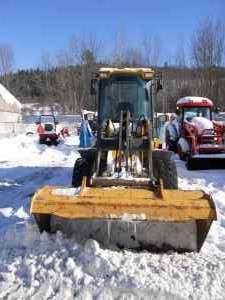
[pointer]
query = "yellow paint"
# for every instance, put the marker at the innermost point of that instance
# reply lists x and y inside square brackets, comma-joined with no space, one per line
[156,143]
[113,202]
[142,72]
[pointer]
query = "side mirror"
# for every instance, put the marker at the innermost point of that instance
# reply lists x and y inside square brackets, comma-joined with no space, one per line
[93,87]
[159,85]
[56,122]
[158,82]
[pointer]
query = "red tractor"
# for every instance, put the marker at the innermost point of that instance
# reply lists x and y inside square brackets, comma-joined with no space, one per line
[46,129]
[201,140]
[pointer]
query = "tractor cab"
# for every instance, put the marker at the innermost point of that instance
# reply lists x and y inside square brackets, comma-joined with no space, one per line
[125,114]
[125,90]
[124,93]
[191,107]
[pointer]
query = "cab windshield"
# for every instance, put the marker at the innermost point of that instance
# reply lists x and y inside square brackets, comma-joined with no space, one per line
[191,112]
[127,93]
[47,119]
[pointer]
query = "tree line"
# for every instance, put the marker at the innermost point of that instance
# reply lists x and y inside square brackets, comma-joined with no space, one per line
[65,77]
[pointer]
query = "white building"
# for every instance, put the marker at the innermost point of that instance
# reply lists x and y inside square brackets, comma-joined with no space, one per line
[10,107]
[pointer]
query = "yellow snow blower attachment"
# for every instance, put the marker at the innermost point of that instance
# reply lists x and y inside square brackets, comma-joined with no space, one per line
[124,190]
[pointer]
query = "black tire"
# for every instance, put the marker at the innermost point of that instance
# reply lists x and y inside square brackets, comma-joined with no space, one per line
[166,170]
[82,168]
[190,164]
[43,222]
[29,133]
[55,143]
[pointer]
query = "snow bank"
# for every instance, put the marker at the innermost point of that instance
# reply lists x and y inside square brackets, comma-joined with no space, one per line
[26,151]
[52,267]
[8,103]
[10,113]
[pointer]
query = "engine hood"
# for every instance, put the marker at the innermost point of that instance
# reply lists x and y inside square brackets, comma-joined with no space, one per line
[202,123]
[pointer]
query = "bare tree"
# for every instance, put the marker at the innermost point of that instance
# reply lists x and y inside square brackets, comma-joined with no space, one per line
[120,48]
[47,65]
[73,52]
[47,62]
[62,58]
[180,53]
[151,50]
[208,44]
[82,49]
[90,52]
[6,61]
[133,57]
[76,64]
[91,48]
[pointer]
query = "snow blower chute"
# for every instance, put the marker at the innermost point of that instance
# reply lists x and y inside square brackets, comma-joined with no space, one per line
[125,191]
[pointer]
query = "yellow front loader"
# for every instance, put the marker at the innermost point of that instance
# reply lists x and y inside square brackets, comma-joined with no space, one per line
[125,191]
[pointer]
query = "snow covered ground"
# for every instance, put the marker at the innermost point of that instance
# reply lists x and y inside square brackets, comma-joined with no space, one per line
[34,266]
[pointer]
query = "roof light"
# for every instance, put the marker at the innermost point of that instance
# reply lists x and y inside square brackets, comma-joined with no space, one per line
[104,75]
[148,75]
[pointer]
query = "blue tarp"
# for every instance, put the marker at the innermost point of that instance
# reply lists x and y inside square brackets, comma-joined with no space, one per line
[86,135]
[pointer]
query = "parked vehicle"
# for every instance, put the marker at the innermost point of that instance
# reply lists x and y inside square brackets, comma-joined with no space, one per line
[202,139]
[46,129]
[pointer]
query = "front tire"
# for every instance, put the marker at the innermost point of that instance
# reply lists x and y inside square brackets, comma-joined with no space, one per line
[166,170]
[44,222]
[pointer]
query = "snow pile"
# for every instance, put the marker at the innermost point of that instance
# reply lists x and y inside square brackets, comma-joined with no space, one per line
[52,267]
[202,124]
[8,103]
[34,266]
[25,166]
[212,182]
[26,151]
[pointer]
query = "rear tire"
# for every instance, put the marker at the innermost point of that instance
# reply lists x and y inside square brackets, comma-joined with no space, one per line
[166,170]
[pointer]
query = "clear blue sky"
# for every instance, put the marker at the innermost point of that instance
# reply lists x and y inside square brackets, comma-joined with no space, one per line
[32,27]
